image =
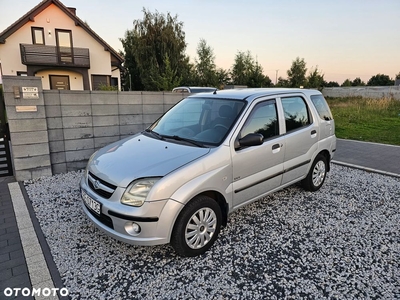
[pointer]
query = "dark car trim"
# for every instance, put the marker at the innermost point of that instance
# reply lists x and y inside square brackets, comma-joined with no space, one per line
[273,176]
[258,182]
[297,166]
[132,218]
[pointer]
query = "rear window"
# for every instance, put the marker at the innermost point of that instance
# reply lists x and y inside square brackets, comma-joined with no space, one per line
[180,90]
[322,107]
[296,113]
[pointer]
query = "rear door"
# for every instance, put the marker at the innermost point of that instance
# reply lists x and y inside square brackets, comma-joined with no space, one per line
[301,137]
[258,169]
[326,120]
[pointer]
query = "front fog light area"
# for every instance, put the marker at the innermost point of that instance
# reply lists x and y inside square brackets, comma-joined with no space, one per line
[132,228]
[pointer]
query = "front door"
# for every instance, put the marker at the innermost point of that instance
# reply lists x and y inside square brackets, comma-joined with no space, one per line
[258,169]
[64,46]
[59,82]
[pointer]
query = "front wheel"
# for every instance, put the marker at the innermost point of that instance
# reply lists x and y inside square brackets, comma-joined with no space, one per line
[197,227]
[317,174]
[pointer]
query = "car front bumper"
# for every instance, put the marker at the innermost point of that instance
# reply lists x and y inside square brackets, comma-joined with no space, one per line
[155,219]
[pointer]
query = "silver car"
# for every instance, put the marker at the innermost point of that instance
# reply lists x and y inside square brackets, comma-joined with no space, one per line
[193,89]
[177,181]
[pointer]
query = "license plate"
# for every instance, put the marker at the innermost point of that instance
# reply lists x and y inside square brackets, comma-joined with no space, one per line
[91,203]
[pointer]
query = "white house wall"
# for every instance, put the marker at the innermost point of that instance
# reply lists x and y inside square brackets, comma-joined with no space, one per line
[50,19]
[10,54]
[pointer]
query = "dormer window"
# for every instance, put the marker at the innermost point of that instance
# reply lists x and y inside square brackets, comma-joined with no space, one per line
[38,35]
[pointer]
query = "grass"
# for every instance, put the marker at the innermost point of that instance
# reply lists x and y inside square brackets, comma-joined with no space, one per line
[369,120]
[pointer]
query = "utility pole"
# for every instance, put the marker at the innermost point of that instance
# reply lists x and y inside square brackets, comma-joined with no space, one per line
[276,76]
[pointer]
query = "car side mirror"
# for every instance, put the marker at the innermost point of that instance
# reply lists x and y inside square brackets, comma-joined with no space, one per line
[251,139]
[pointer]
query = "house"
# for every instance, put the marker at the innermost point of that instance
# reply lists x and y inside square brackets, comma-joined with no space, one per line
[51,42]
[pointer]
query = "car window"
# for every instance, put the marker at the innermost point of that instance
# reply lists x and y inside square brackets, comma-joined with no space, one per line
[263,119]
[200,119]
[296,113]
[201,90]
[184,115]
[322,107]
[180,90]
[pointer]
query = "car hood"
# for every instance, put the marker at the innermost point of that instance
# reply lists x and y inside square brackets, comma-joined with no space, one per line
[140,156]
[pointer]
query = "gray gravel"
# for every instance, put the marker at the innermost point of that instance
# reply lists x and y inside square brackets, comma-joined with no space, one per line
[340,242]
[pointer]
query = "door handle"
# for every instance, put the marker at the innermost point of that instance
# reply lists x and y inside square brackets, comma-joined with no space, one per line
[276,146]
[313,132]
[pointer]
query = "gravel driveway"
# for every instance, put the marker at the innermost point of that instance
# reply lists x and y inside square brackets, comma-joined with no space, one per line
[340,242]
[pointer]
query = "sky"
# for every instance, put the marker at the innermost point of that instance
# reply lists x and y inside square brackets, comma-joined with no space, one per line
[343,39]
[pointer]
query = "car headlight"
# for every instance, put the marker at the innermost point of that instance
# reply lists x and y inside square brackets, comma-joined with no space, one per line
[136,193]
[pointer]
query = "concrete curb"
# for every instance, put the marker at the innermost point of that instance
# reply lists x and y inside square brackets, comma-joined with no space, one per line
[365,168]
[42,270]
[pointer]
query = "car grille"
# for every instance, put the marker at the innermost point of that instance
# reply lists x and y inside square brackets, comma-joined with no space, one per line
[106,220]
[100,187]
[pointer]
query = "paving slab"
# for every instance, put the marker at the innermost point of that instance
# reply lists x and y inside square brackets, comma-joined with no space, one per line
[380,158]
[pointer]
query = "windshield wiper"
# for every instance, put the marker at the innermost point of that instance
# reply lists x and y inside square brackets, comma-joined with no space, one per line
[174,137]
[179,138]
[155,134]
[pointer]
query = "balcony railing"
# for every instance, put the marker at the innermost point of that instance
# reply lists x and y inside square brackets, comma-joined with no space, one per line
[54,56]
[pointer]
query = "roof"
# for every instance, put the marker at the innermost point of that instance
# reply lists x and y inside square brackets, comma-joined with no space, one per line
[243,94]
[30,16]
[196,89]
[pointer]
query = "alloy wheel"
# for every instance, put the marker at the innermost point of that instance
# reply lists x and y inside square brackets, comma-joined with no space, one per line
[200,228]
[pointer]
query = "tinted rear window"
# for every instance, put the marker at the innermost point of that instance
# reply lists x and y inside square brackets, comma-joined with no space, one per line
[322,107]
[296,113]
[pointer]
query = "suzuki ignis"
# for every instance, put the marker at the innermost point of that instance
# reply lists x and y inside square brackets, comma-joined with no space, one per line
[177,181]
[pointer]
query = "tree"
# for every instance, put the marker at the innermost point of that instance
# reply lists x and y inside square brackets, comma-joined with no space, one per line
[347,82]
[241,68]
[282,82]
[380,80]
[257,78]
[247,71]
[154,50]
[297,73]
[331,84]
[223,77]
[168,79]
[205,68]
[358,82]
[315,80]
[187,72]
[397,76]
[131,73]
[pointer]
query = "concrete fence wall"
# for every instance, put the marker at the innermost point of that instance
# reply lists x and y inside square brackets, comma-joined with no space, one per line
[373,92]
[68,126]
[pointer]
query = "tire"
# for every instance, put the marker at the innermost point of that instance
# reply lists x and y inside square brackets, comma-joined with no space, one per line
[197,227]
[317,174]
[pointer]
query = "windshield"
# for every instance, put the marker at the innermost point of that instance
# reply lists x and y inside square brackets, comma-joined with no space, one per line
[202,120]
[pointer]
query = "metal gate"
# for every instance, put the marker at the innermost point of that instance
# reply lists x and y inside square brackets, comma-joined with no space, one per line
[5,155]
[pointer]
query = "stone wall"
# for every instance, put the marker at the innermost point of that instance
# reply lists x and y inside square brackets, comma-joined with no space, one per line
[28,128]
[68,126]
[373,92]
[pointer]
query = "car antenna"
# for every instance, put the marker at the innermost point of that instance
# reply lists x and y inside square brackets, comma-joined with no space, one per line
[215,92]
